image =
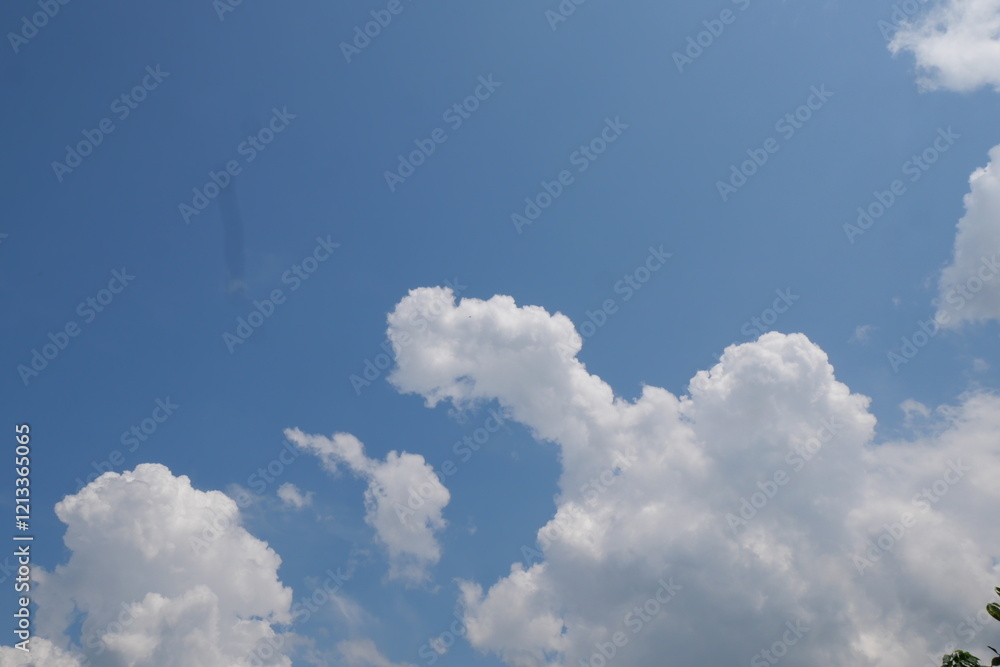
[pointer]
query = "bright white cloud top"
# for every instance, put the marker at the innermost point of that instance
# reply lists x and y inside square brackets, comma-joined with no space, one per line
[757,500]
[403,502]
[956,45]
[969,289]
[163,574]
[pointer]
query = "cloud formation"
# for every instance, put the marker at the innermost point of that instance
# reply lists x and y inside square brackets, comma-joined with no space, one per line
[364,653]
[969,288]
[403,502]
[162,574]
[956,45]
[292,496]
[759,496]
[43,654]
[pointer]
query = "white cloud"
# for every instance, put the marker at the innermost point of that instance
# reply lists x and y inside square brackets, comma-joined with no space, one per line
[364,653]
[292,496]
[769,425]
[969,288]
[43,654]
[956,45]
[403,502]
[863,334]
[912,407]
[163,575]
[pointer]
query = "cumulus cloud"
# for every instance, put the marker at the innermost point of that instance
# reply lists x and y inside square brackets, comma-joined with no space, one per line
[403,502]
[162,575]
[956,45]
[43,654]
[969,288]
[291,496]
[758,499]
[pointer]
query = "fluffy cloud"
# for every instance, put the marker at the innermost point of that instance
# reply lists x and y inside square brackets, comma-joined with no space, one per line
[162,574]
[43,654]
[403,502]
[969,289]
[291,496]
[758,500]
[956,45]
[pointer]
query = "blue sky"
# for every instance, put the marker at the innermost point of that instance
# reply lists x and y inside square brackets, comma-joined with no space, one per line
[319,191]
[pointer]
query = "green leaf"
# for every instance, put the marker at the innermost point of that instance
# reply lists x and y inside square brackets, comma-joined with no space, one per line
[994,609]
[960,659]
